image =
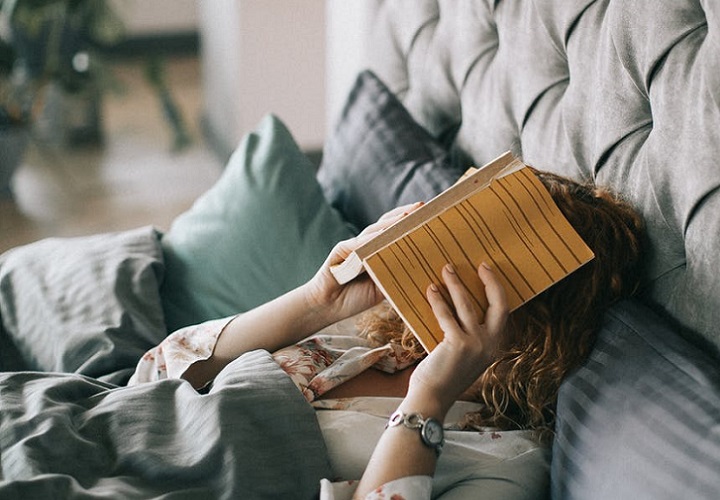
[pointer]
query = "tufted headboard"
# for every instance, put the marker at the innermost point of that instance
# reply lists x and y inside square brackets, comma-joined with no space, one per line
[623,92]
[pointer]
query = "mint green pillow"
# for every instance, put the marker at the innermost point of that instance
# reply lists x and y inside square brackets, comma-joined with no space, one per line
[261,230]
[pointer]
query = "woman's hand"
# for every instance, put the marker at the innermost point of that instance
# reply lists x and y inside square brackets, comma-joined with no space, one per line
[471,340]
[470,343]
[342,301]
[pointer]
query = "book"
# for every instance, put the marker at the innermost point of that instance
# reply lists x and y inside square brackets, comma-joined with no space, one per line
[500,214]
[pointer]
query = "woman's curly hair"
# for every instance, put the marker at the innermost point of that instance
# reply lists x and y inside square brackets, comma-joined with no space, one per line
[553,333]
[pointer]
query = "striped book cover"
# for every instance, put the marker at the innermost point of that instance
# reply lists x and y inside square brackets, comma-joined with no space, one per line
[501,214]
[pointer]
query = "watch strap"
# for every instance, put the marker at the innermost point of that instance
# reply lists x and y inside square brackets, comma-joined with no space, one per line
[417,421]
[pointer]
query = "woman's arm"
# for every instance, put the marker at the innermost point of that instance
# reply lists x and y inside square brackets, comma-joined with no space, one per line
[454,365]
[300,312]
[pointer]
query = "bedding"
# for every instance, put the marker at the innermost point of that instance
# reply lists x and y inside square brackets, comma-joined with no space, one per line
[71,436]
[87,305]
[378,158]
[79,313]
[261,230]
[644,409]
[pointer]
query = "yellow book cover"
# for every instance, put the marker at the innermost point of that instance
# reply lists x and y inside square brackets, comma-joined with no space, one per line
[501,214]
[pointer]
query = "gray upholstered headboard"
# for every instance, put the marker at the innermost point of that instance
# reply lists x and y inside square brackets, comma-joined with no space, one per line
[625,92]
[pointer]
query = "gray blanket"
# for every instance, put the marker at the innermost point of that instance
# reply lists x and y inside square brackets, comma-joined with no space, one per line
[75,317]
[69,436]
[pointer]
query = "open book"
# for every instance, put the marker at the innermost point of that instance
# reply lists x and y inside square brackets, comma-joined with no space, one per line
[501,214]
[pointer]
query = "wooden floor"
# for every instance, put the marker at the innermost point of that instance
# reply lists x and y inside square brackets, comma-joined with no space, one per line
[133,179]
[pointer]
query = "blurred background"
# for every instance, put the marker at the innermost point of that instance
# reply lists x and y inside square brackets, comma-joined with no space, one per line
[119,113]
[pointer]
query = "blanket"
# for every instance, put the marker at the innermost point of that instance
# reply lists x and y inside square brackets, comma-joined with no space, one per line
[71,436]
[76,314]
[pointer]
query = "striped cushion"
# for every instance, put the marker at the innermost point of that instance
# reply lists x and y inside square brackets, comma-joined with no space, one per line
[378,157]
[641,419]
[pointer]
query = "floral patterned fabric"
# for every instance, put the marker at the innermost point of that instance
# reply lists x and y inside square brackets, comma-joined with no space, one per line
[315,365]
[322,362]
[352,426]
[407,488]
[178,351]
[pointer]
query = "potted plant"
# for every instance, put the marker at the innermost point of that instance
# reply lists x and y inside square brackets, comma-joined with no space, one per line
[57,62]
[13,120]
[50,77]
[53,74]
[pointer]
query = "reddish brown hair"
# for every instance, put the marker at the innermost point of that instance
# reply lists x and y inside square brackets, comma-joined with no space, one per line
[554,332]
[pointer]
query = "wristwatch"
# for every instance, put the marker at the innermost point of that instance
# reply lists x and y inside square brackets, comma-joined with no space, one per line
[431,430]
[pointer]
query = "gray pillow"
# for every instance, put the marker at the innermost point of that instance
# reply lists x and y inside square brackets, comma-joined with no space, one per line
[88,305]
[379,157]
[644,410]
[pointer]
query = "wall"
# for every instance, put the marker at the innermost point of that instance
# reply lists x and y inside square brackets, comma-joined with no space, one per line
[263,56]
[153,17]
[347,29]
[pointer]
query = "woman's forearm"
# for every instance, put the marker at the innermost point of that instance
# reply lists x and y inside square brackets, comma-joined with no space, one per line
[271,326]
[400,452]
[439,380]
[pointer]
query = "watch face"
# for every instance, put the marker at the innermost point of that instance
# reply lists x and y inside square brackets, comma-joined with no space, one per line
[433,432]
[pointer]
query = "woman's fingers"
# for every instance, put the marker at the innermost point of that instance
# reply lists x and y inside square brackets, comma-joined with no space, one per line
[463,310]
[497,311]
[390,218]
[441,309]
[401,210]
[344,248]
[468,312]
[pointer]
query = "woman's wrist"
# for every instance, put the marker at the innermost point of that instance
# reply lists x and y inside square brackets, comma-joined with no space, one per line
[320,311]
[429,406]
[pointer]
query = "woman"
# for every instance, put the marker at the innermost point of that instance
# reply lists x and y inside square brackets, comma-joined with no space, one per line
[498,377]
